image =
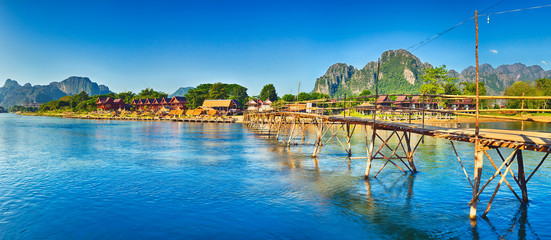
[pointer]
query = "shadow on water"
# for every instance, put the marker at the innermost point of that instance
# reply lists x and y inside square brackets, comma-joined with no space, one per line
[518,223]
[388,204]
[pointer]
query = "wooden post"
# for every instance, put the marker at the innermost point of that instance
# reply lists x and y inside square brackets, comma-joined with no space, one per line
[522,177]
[291,134]
[423,121]
[370,151]
[478,162]
[348,136]
[478,155]
[522,107]
[319,135]
[372,143]
[409,152]
[344,107]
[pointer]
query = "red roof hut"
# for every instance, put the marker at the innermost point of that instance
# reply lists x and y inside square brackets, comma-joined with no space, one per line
[104,103]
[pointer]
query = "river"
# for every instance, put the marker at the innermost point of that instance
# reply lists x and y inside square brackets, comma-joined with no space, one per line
[91,179]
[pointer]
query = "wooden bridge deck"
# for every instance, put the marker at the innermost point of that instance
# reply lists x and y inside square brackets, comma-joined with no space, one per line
[522,140]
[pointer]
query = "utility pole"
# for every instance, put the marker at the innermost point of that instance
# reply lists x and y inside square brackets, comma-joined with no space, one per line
[478,149]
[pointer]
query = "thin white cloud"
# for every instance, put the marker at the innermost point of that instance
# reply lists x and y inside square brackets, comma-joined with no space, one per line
[493,51]
[543,62]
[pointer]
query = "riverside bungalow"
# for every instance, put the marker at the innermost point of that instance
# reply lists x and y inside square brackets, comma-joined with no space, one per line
[148,104]
[104,103]
[165,102]
[135,104]
[178,103]
[224,106]
[266,106]
[253,105]
[463,104]
[118,104]
[384,101]
[109,103]
[402,102]
[365,108]
[259,105]
[415,102]
[139,104]
[157,104]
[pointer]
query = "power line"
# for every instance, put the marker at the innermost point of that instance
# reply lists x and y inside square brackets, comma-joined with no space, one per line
[426,41]
[516,10]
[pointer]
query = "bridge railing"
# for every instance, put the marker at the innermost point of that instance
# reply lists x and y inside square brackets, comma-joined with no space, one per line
[404,107]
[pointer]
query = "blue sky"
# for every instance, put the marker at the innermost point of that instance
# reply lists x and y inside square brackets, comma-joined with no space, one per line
[130,45]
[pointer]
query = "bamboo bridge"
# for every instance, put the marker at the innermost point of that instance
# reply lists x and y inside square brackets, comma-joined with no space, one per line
[288,123]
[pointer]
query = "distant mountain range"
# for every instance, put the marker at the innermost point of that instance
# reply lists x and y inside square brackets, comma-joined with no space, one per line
[14,94]
[180,92]
[400,72]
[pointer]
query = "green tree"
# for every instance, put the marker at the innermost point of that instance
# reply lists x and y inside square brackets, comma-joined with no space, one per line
[544,87]
[149,93]
[451,89]
[196,96]
[365,93]
[268,92]
[289,98]
[435,80]
[317,95]
[526,89]
[238,93]
[126,96]
[304,96]
[469,88]
[217,91]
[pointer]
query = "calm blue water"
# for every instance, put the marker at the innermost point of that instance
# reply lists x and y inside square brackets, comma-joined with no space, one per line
[84,179]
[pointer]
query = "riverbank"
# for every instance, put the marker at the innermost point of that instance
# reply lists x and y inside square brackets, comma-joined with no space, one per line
[204,119]
[239,119]
[543,119]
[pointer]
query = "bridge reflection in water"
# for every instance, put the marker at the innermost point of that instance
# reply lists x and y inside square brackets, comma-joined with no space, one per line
[395,144]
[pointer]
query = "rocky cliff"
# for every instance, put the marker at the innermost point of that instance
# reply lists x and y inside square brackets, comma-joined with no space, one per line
[75,85]
[400,73]
[500,78]
[14,94]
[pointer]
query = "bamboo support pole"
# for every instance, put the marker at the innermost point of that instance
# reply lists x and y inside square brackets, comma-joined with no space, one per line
[409,153]
[495,191]
[370,150]
[506,182]
[510,171]
[460,163]
[522,177]
[536,169]
[498,171]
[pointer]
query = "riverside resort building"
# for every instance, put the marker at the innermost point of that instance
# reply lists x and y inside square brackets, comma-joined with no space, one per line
[151,104]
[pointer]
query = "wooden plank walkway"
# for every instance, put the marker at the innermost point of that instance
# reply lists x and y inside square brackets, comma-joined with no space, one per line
[523,140]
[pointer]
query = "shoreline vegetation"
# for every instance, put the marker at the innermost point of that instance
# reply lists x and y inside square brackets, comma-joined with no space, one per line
[437,86]
[429,120]
[129,117]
